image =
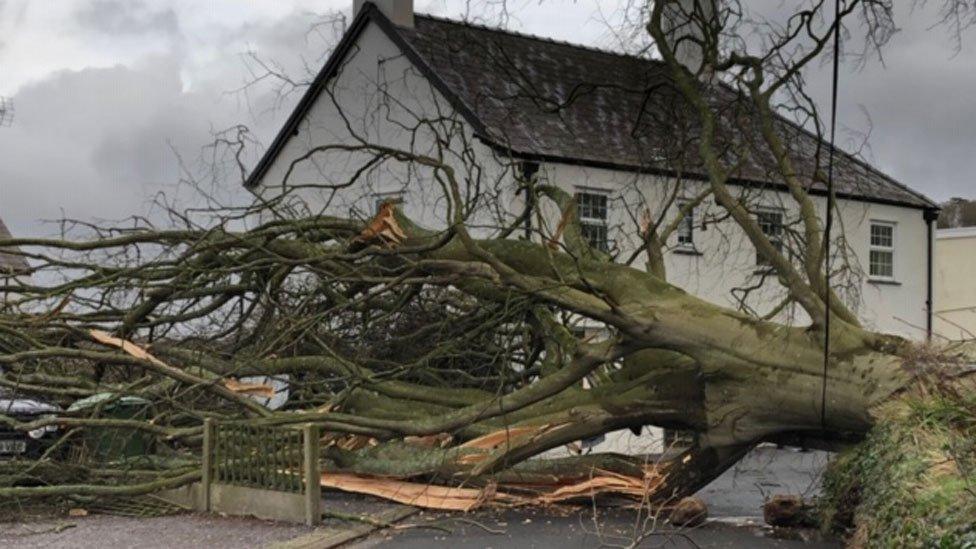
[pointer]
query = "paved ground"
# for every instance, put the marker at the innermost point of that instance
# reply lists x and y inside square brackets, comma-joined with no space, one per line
[741,491]
[197,531]
[732,499]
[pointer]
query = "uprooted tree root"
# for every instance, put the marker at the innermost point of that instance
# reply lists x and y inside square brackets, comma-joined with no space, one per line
[912,482]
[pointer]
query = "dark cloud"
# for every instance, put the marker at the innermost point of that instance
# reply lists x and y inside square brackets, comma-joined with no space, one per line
[98,143]
[101,142]
[57,155]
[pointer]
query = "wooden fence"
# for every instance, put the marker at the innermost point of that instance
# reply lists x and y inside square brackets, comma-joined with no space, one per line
[268,471]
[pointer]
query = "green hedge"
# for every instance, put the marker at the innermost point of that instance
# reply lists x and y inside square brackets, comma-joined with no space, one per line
[912,482]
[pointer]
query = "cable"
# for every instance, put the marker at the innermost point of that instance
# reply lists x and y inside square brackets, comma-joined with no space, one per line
[830,215]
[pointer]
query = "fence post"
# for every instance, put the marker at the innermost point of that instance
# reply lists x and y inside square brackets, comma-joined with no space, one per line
[311,474]
[206,478]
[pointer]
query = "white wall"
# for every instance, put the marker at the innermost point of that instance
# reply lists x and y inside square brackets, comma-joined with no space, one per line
[383,101]
[727,260]
[955,292]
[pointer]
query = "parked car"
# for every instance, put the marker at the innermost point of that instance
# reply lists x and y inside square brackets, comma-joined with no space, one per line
[20,444]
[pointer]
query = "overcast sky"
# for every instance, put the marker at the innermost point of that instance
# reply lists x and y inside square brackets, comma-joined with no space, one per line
[107,93]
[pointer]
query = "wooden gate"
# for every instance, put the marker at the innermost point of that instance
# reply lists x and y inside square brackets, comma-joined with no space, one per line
[268,471]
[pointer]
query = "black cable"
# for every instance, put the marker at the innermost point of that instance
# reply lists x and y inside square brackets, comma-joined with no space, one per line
[830,215]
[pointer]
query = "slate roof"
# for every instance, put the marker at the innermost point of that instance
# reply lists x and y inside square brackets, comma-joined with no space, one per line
[537,98]
[10,263]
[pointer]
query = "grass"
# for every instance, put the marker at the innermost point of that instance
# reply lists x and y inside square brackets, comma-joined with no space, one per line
[912,482]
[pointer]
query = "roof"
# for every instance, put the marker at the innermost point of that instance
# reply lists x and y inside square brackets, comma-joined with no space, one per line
[536,98]
[10,263]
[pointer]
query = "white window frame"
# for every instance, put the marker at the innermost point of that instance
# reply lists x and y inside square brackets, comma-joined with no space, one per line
[688,223]
[872,247]
[780,240]
[595,221]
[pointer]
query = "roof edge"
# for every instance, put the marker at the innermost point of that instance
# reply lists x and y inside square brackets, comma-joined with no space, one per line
[308,98]
[739,181]
[956,232]
[369,13]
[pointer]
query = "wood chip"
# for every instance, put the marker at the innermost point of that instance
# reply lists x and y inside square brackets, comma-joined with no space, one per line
[384,227]
[411,493]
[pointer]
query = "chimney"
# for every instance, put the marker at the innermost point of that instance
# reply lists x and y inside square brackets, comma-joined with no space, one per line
[400,12]
[682,21]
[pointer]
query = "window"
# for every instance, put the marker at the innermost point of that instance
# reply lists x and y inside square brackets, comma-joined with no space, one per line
[882,255]
[686,229]
[771,223]
[593,218]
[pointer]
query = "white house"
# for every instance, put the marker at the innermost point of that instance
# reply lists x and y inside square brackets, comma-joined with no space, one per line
[955,293]
[519,106]
[503,107]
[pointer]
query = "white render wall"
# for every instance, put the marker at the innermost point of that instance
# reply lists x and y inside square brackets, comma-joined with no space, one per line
[383,99]
[955,293]
[382,96]
[726,258]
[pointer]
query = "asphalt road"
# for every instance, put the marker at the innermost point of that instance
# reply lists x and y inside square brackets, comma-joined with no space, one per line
[550,529]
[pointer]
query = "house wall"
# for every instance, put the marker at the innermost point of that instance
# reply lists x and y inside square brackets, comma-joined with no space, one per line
[726,260]
[955,293]
[383,97]
[384,100]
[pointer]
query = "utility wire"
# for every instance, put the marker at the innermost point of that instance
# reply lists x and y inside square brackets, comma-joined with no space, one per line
[830,215]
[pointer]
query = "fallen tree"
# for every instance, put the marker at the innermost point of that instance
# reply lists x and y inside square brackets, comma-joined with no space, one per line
[681,362]
[447,355]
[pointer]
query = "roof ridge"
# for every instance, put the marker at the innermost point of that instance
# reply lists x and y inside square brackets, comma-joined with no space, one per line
[530,36]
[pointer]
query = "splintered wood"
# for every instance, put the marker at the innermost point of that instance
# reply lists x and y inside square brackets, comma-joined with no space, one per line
[502,437]
[411,493]
[445,498]
[605,483]
[383,228]
[513,436]
[127,346]
[256,389]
